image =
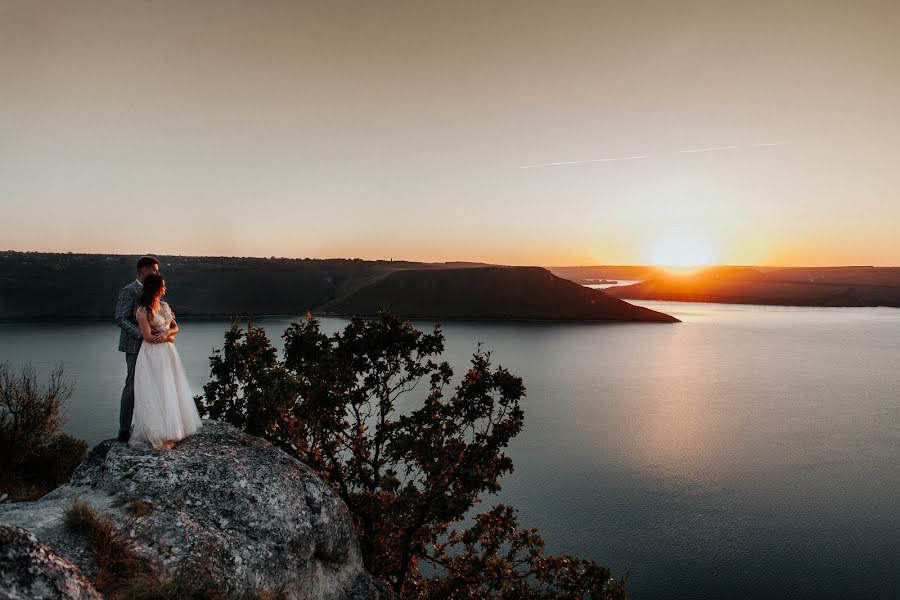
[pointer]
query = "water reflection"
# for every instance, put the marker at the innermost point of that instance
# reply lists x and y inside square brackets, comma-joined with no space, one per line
[746,452]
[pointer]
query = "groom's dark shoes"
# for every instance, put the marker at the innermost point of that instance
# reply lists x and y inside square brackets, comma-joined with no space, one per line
[123,436]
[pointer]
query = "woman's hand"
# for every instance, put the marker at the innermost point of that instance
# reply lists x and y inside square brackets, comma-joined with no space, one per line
[146,333]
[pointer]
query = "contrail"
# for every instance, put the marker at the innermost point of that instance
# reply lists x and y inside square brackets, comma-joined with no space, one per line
[581,162]
[689,151]
[710,149]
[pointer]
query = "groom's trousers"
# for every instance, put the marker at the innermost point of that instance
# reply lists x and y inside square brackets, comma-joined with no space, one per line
[126,409]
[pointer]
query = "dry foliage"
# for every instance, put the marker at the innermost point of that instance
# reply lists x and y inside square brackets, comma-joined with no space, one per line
[35,456]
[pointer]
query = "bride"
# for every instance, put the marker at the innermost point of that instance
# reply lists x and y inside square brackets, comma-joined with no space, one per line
[164,409]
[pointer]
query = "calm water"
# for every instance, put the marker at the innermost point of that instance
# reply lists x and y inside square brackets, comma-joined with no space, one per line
[746,452]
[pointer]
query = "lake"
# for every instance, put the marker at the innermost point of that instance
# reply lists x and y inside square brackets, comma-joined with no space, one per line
[748,452]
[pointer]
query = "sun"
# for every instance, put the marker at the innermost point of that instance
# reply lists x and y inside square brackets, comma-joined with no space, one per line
[682,252]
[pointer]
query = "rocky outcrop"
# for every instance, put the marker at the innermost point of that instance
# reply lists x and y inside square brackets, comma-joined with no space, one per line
[31,570]
[264,518]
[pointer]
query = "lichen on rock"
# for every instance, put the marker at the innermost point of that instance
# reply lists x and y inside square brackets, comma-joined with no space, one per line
[31,570]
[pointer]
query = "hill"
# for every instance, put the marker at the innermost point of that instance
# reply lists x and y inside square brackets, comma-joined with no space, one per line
[84,286]
[785,286]
[494,292]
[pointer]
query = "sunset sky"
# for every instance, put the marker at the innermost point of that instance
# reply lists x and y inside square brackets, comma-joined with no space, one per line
[551,133]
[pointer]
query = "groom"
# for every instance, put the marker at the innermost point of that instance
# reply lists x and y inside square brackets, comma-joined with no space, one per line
[130,337]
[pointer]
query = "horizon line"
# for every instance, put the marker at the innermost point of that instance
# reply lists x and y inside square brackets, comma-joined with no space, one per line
[453,261]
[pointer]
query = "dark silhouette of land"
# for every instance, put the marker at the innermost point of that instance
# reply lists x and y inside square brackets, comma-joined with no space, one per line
[785,286]
[36,286]
[492,292]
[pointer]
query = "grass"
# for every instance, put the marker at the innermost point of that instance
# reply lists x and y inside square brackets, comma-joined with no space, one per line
[138,507]
[112,551]
[121,573]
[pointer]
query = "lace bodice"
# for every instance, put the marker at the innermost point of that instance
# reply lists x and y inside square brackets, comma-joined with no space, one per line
[162,320]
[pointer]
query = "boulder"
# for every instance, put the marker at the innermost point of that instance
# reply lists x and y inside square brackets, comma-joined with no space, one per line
[263,519]
[31,570]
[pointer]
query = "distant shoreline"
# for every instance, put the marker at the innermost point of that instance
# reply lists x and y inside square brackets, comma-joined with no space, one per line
[40,287]
[224,317]
[36,287]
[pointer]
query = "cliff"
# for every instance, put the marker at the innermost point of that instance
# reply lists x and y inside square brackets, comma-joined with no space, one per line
[256,516]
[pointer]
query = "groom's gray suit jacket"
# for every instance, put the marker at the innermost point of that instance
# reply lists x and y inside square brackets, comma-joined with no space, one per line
[130,338]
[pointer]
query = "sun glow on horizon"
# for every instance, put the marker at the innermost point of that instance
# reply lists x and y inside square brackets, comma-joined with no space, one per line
[682,252]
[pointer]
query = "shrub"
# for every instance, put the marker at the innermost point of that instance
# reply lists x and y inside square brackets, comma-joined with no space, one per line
[407,470]
[494,558]
[35,456]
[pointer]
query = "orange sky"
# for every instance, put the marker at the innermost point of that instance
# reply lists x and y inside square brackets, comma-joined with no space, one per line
[519,132]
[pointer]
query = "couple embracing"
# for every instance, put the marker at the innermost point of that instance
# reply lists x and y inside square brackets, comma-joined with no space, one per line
[157,407]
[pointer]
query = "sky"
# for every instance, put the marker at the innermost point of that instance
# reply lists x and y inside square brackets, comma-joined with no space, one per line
[549,133]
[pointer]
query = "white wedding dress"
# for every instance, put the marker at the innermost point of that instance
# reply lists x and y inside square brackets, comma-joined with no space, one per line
[164,408]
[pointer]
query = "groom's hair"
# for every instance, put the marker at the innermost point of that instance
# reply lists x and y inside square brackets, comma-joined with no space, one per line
[146,261]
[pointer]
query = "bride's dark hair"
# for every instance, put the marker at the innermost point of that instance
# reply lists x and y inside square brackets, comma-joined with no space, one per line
[152,287]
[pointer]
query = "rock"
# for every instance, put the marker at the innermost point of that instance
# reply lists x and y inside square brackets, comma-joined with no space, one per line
[223,499]
[31,570]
